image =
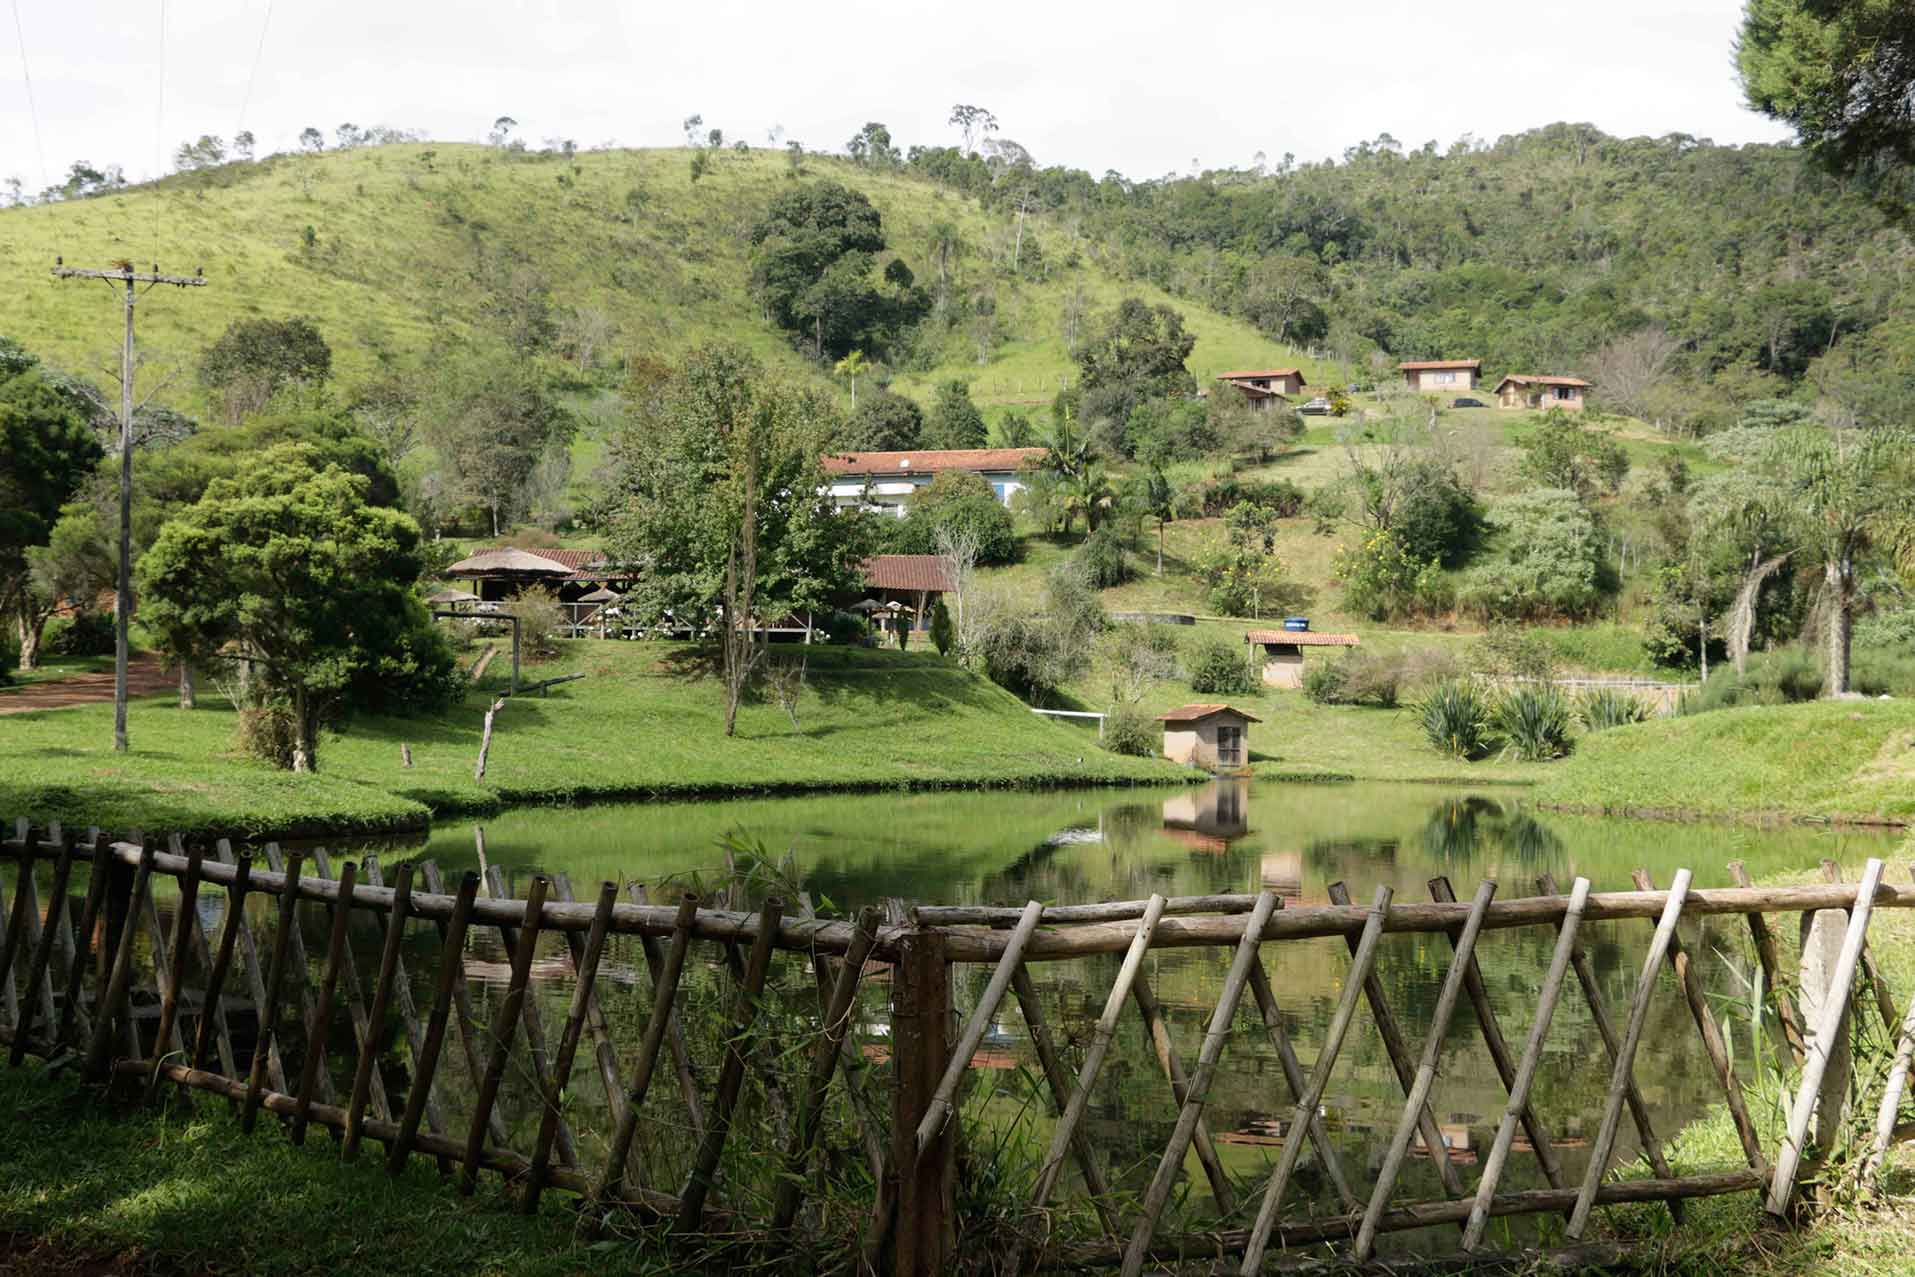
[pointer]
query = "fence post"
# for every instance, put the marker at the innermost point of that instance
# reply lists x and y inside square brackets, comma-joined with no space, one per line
[119,903]
[1821,949]
[921,1038]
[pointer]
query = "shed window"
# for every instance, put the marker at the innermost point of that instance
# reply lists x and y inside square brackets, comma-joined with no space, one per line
[1445,378]
[1229,745]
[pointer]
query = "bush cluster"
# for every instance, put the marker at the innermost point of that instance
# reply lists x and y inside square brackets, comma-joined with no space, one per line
[82,634]
[1533,721]
[1219,667]
[1102,559]
[1211,497]
[1130,730]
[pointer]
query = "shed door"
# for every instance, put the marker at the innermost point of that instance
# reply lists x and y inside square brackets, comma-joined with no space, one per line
[1229,745]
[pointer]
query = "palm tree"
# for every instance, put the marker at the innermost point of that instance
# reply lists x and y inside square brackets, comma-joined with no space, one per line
[1090,493]
[851,367]
[1068,452]
[1158,499]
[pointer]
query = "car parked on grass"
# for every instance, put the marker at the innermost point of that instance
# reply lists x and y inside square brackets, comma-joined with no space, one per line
[1318,407]
[1467,402]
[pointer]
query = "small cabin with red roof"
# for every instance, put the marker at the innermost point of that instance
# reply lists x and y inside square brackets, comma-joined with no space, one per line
[1264,387]
[1521,390]
[1442,376]
[1283,652]
[1208,735]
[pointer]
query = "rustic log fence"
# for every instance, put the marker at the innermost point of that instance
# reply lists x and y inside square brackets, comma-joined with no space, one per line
[203,1007]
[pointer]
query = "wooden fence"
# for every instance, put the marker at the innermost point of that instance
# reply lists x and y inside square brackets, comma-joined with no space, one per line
[204,1007]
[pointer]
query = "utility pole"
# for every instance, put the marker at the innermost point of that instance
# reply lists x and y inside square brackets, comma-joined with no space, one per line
[124,273]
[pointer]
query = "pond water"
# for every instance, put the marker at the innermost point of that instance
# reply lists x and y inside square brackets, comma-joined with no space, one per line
[1067,847]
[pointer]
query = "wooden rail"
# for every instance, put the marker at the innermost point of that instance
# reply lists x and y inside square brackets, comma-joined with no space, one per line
[198,1007]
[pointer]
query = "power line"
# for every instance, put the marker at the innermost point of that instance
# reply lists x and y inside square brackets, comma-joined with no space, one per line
[33,109]
[258,53]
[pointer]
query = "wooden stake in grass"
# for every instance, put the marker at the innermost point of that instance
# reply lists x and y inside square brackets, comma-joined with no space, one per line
[223,958]
[186,916]
[120,981]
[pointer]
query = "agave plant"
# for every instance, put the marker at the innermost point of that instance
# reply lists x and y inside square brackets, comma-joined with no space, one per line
[1534,723]
[1605,707]
[1455,719]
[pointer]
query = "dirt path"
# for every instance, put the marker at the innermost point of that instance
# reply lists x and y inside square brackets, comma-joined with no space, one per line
[144,677]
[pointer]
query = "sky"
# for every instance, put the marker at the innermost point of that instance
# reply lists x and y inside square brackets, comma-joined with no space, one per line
[1143,87]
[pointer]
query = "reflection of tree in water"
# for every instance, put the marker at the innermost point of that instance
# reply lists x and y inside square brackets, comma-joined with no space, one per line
[1459,829]
[1330,855]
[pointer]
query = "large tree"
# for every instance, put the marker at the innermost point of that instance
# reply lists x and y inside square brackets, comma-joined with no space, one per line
[954,421]
[47,451]
[812,259]
[1137,352]
[254,358]
[492,419]
[289,564]
[1841,73]
[719,490]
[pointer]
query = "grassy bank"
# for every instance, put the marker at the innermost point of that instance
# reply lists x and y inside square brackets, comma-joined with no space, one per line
[1840,760]
[645,722]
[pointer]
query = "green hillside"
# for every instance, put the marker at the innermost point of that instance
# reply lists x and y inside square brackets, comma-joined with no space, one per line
[409,242]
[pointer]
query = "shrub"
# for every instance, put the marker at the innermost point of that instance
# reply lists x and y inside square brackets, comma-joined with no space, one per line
[943,632]
[1534,722]
[1547,559]
[1220,667]
[1384,581]
[961,502]
[1514,651]
[1326,683]
[82,634]
[1604,707]
[1371,677]
[541,617]
[1883,671]
[1455,720]
[1283,499]
[1887,629]
[1140,656]
[846,627]
[1129,730]
[1102,559]
[266,732]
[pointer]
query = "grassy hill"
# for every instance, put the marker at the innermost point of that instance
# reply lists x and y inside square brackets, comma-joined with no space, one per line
[385,247]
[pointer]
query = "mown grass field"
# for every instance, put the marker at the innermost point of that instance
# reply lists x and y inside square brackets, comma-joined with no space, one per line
[645,722]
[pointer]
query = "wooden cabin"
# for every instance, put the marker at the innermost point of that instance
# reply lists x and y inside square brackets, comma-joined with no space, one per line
[1521,390]
[1442,376]
[1263,388]
[1208,735]
[1283,652]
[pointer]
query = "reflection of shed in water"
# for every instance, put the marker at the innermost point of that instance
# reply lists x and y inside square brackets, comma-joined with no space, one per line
[1211,818]
[1282,872]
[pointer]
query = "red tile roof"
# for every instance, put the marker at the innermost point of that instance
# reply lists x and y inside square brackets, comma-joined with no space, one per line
[1190,713]
[1302,638]
[1439,363]
[1526,379]
[931,461]
[906,572]
[1262,372]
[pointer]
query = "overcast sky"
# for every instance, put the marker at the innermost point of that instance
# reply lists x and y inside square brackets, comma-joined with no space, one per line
[1142,86]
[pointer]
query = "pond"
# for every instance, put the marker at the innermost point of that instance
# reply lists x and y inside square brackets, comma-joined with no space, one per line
[1068,847]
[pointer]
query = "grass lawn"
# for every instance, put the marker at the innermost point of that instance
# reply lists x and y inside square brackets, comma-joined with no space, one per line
[57,667]
[1839,759]
[642,723]
[94,1191]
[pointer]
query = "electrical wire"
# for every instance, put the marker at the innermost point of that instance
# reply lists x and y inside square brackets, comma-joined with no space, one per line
[258,53]
[33,108]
